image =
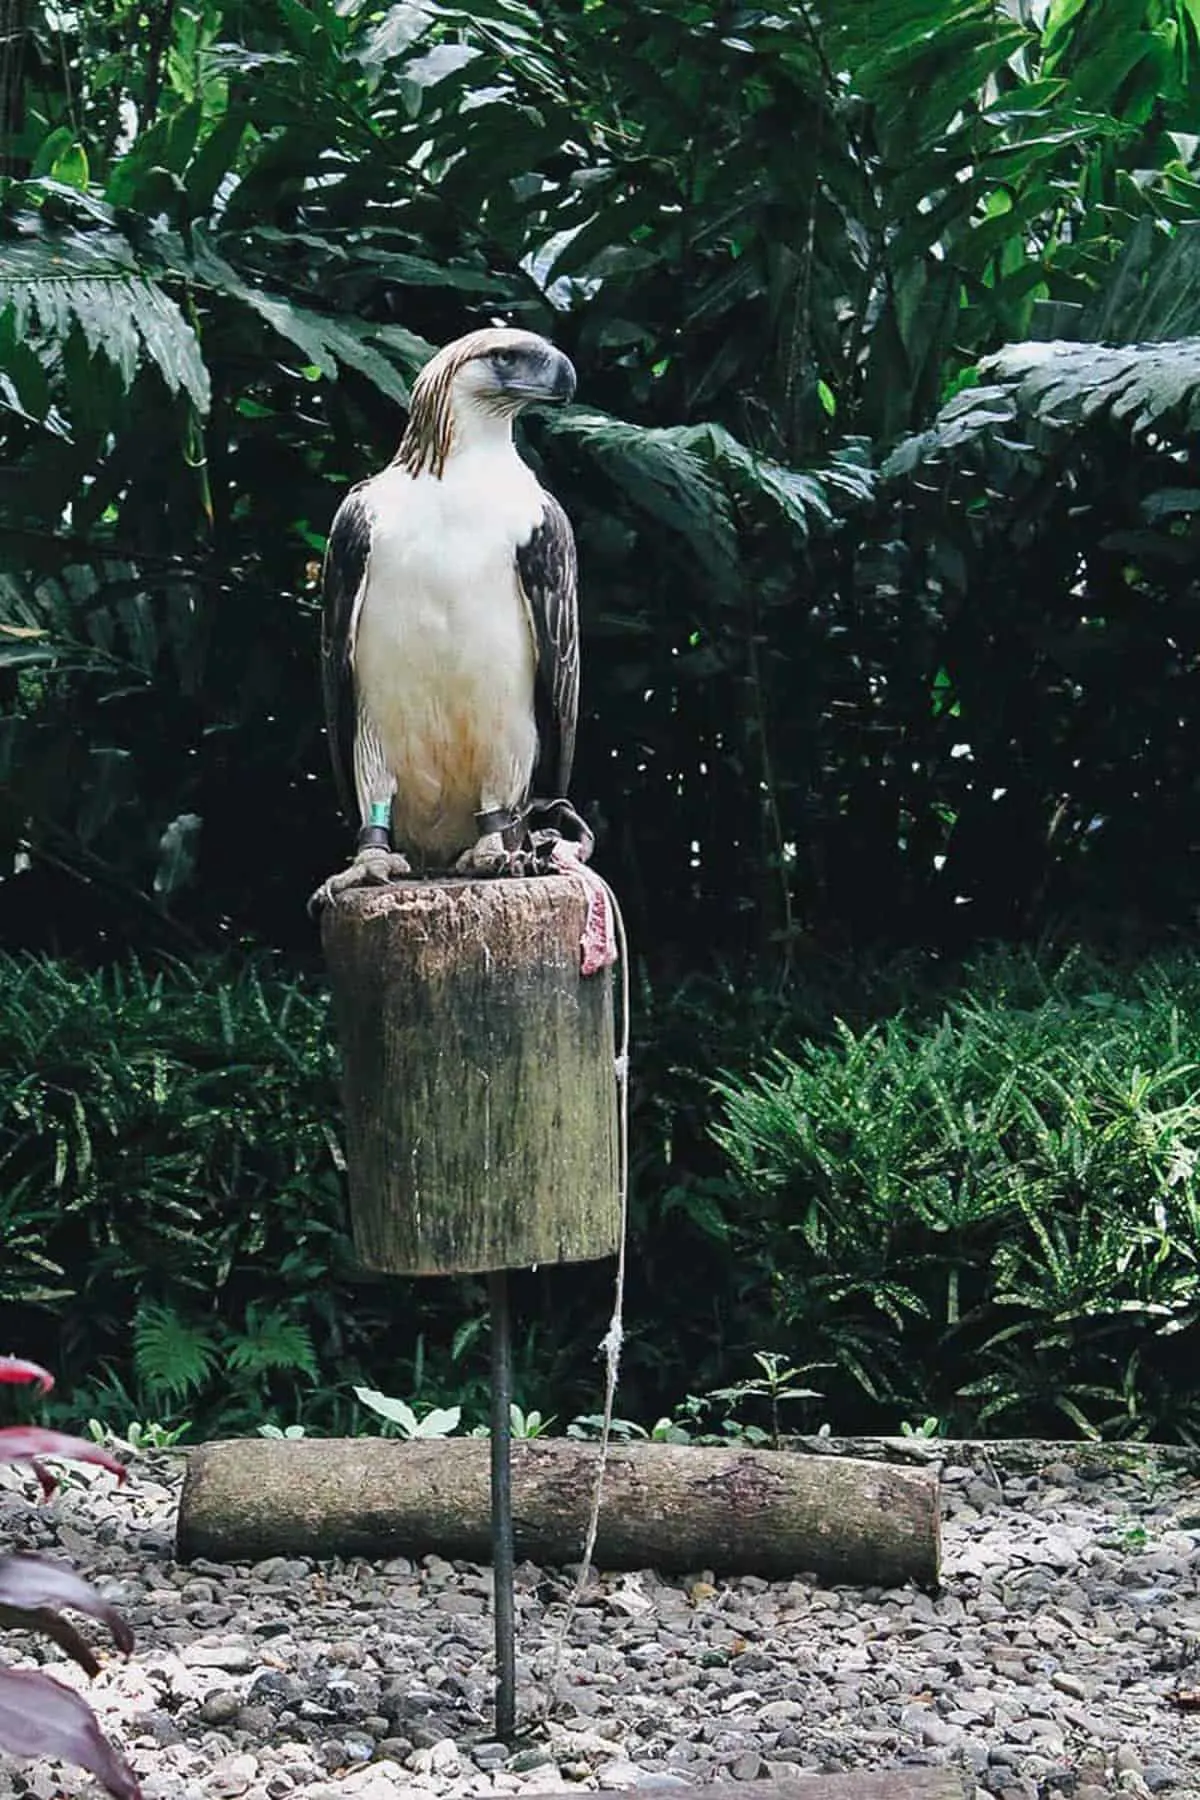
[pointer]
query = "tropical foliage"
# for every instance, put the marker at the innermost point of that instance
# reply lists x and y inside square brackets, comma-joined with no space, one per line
[172,1208]
[996,1197]
[773,243]
[975,1198]
[169,1159]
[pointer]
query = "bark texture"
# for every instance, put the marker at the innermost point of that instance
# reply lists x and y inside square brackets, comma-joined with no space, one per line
[1133,1455]
[871,1784]
[667,1506]
[477,1076]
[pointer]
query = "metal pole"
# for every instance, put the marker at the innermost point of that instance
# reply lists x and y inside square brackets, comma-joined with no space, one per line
[502,1524]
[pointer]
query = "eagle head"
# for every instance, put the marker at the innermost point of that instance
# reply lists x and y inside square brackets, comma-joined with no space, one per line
[498,371]
[501,370]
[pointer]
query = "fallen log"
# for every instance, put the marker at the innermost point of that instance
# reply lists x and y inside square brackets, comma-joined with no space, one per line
[667,1506]
[869,1784]
[1023,1455]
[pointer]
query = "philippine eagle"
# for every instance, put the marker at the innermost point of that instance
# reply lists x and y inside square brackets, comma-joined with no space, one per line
[450,647]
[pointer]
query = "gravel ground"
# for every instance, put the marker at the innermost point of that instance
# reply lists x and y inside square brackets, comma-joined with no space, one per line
[1053,1662]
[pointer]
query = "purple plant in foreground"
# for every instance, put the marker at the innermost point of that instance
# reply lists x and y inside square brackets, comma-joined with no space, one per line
[38,1716]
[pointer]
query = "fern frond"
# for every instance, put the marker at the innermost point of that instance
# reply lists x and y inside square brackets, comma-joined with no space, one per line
[661,471]
[173,1357]
[807,499]
[1142,387]
[326,341]
[53,284]
[1045,390]
[273,1341]
[692,478]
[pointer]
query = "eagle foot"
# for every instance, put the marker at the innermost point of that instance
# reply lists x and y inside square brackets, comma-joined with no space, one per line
[372,867]
[490,856]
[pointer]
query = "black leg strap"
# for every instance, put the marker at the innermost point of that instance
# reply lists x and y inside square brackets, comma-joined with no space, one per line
[501,818]
[374,837]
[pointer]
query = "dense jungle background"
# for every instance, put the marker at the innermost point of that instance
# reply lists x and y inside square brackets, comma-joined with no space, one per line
[883,470]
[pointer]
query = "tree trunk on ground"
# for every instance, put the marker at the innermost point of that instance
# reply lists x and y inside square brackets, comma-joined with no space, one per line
[667,1506]
[871,1784]
[478,1080]
[1128,1454]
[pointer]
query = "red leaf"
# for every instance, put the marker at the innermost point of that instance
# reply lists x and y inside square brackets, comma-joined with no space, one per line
[46,1481]
[15,1368]
[24,1443]
[32,1583]
[40,1718]
[58,1628]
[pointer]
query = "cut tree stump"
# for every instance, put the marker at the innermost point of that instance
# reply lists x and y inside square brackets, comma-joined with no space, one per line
[666,1506]
[478,1078]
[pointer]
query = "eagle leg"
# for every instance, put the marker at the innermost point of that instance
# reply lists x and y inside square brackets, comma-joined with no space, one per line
[498,849]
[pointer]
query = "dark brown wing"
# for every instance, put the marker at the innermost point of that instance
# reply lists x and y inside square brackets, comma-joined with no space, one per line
[549,578]
[344,579]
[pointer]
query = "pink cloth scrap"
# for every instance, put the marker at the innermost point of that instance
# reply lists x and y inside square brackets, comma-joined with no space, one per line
[598,945]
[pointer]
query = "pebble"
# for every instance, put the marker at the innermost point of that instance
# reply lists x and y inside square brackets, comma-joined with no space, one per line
[219,1707]
[1045,1666]
[232,1776]
[489,1755]
[232,1657]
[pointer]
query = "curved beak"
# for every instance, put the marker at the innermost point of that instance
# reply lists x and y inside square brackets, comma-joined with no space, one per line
[551,382]
[563,390]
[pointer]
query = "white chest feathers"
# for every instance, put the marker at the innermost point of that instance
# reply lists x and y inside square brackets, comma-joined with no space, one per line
[445,653]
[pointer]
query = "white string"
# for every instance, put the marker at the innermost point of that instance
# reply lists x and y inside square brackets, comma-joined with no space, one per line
[613,1340]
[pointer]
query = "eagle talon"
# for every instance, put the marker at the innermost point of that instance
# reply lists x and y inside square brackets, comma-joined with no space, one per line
[372,867]
[490,856]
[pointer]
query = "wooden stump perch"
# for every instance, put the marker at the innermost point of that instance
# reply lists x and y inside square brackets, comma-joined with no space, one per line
[481,1110]
[477,1076]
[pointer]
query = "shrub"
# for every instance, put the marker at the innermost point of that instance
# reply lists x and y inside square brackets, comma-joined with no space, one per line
[988,1211]
[169,1153]
[974,1197]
